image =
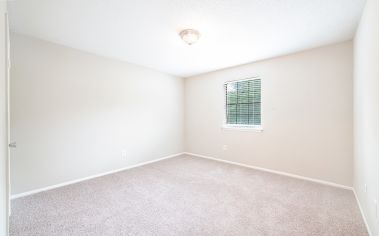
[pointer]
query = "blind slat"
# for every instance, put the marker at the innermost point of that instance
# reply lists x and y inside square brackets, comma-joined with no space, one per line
[243,102]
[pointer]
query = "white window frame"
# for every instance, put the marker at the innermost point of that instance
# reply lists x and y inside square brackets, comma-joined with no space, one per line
[225,126]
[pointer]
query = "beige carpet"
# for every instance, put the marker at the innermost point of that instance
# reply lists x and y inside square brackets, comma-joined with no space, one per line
[189,196]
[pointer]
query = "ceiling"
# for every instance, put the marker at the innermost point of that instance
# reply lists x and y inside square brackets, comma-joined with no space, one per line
[145,32]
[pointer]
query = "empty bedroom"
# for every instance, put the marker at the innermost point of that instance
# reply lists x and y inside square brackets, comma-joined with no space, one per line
[189,117]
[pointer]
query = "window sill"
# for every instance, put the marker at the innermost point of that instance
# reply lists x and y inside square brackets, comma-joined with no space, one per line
[243,128]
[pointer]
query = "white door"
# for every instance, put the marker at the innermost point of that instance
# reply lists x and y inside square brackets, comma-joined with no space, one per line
[11,145]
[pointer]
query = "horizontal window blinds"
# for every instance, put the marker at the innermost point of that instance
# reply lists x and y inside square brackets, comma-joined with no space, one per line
[243,102]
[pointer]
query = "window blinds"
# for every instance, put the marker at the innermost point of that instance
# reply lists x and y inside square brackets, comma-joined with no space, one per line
[243,102]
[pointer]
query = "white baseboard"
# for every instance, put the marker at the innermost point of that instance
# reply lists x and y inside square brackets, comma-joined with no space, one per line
[362,213]
[14,196]
[273,171]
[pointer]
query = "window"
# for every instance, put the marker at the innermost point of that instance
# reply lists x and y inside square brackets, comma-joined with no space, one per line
[243,103]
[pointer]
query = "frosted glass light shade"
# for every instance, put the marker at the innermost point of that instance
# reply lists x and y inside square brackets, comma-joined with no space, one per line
[190,36]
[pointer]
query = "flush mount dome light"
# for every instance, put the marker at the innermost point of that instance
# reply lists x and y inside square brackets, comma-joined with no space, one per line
[190,36]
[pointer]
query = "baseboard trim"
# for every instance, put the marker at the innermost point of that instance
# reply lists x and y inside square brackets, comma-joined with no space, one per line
[362,213]
[273,171]
[14,196]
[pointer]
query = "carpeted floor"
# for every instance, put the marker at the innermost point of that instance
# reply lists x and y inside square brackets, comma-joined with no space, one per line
[189,196]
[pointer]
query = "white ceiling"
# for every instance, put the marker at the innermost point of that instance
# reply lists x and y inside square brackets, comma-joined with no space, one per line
[145,32]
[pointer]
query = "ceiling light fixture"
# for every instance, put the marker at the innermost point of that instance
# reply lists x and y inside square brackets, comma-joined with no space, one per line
[190,36]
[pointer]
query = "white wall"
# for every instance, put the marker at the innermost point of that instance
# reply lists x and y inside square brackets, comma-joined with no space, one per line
[306,111]
[366,113]
[3,125]
[72,113]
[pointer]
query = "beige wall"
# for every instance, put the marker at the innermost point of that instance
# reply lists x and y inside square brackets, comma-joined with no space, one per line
[366,113]
[3,125]
[72,114]
[306,114]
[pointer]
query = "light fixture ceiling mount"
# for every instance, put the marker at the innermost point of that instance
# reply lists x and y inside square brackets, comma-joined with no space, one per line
[190,36]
